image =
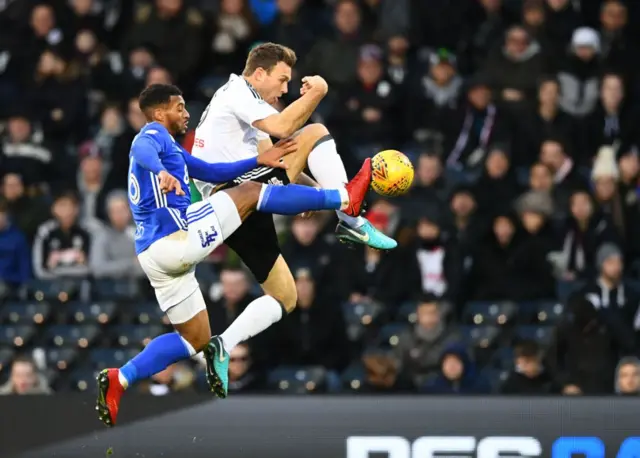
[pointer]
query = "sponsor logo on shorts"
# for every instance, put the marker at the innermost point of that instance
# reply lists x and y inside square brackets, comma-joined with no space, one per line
[207,238]
[276,181]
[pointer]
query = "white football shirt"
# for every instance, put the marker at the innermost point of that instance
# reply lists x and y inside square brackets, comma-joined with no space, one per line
[225,132]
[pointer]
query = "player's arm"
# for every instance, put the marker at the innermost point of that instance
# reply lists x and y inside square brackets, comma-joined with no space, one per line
[227,171]
[264,117]
[146,152]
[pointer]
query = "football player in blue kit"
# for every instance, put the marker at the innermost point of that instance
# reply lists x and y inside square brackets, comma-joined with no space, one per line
[173,235]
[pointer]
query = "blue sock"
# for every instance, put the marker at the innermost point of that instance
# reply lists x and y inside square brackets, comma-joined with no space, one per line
[159,354]
[294,199]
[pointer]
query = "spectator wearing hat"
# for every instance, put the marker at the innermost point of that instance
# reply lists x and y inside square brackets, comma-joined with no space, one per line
[90,182]
[614,297]
[498,185]
[513,70]
[15,266]
[474,127]
[434,95]
[579,75]
[62,244]
[367,112]
[586,346]
[613,121]
[24,152]
[545,120]
[314,334]
[625,215]
[421,345]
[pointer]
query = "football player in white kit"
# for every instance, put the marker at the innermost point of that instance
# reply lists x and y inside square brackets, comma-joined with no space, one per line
[238,123]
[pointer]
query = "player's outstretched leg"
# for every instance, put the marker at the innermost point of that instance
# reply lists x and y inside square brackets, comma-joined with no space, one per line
[190,319]
[318,150]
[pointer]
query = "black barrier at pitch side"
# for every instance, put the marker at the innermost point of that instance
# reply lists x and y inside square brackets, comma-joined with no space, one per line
[320,427]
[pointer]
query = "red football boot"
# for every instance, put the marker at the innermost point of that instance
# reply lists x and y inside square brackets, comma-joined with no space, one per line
[109,393]
[357,189]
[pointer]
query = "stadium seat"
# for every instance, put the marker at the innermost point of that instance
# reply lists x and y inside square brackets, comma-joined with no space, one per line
[389,335]
[148,313]
[83,379]
[489,313]
[127,335]
[359,317]
[353,377]
[91,312]
[502,359]
[482,340]
[61,358]
[6,355]
[60,289]
[407,312]
[549,312]
[297,380]
[564,289]
[116,290]
[540,334]
[102,358]
[63,335]
[18,335]
[25,312]
[496,378]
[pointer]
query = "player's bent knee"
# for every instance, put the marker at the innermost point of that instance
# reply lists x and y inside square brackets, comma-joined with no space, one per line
[191,320]
[315,130]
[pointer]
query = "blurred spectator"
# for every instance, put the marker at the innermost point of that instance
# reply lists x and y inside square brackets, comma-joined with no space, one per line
[618,49]
[430,185]
[177,377]
[368,108]
[15,268]
[529,376]
[586,347]
[457,374]
[629,168]
[335,57]
[566,177]
[498,185]
[508,266]
[614,297]
[87,15]
[59,95]
[624,214]
[175,31]
[24,152]
[561,19]
[579,74]
[420,347]
[243,378]
[25,379]
[534,21]
[468,224]
[45,32]
[485,26]
[584,232]
[382,374]
[292,27]
[113,252]
[112,125]
[612,122]
[628,377]
[27,212]
[476,126]
[540,178]
[513,70]
[62,244]
[234,296]
[234,30]
[314,333]
[545,121]
[433,95]
[398,61]
[90,182]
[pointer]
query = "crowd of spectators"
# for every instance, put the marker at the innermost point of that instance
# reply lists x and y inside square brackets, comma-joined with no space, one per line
[519,258]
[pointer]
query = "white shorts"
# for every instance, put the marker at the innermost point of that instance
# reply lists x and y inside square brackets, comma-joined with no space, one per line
[170,262]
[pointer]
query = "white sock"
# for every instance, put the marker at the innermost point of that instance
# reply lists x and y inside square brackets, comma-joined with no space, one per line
[123,381]
[327,168]
[258,316]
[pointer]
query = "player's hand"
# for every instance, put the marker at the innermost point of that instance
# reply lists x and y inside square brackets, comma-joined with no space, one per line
[314,83]
[170,183]
[273,156]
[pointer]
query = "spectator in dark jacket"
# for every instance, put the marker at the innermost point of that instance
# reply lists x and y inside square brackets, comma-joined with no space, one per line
[618,48]
[498,185]
[529,376]
[15,266]
[566,177]
[243,376]
[458,374]
[561,19]
[27,212]
[420,347]
[585,347]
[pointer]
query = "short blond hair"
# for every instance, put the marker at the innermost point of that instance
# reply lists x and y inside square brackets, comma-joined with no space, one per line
[267,56]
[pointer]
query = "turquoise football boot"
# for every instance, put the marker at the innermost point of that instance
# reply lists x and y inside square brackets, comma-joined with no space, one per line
[217,360]
[364,235]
